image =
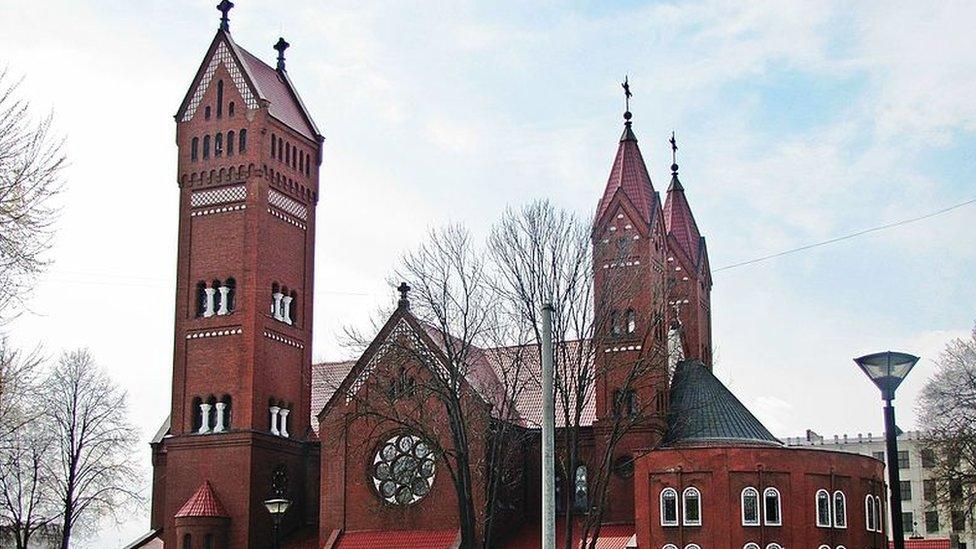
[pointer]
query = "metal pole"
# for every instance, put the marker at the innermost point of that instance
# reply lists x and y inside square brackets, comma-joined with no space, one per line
[894,477]
[548,435]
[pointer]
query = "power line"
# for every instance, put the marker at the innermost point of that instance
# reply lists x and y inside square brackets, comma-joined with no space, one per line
[847,236]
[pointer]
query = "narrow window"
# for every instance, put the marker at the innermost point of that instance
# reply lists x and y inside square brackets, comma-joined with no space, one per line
[631,321]
[631,401]
[879,521]
[281,149]
[187,541]
[230,109]
[208,541]
[227,411]
[580,495]
[614,323]
[195,144]
[206,147]
[231,294]
[206,113]
[201,298]
[274,142]
[691,506]
[220,98]
[669,507]
[242,141]
[230,143]
[869,513]
[307,169]
[196,421]
[750,507]
[294,158]
[823,508]
[771,507]
[840,510]
[301,161]
[287,153]
[218,144]
[293,308]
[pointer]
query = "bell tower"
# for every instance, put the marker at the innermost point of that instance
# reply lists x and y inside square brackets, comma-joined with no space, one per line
[248,177]
[630,292]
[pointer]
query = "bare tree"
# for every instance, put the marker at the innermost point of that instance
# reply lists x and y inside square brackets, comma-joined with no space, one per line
[19,379]
[93,471]
[31,163]
[947,410]
[27,506]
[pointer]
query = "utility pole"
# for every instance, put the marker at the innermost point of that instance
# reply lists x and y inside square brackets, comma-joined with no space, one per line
[548,435]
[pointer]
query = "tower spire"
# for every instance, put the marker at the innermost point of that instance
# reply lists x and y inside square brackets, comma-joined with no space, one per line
[224,8]
[628,134]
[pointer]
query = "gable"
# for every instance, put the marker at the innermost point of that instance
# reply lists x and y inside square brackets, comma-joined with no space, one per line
[221,56]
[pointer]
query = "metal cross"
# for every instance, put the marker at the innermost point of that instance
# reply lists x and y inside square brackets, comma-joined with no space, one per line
[404,289]
[674,149]
[280,47]
[224,8]
[627,94]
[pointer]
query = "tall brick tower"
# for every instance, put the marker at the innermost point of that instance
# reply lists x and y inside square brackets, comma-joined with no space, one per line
[248,170]
[688,265]
[631,290]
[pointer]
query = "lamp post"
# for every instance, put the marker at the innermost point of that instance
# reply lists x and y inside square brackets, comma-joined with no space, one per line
[887,370]
[277,506]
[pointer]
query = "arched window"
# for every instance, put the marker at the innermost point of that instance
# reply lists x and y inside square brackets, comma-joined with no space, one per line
[281,150]
[208,542]
[230,109]
[242,141]
[231,294]
[274,142]
[772,513]
[750,507]
[218,144]
[220,98]
[230,143]
[869,513]
[631,321]
[691,506]
[307,162]
[187,541]
[206,147]
[195,145]
[824,547]
[823,508]
[879,514]
[614,323]
[692,546]
[840,510]
[670,546]
[669,507]
[206,113]
[294,157]
[774,546]
[751,545]
[839,547]
[580,489]
[301,160]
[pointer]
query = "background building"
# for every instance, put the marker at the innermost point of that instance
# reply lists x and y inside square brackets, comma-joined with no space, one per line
[920,514]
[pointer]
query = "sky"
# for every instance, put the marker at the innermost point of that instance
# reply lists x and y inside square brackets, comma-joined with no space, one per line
[797,122]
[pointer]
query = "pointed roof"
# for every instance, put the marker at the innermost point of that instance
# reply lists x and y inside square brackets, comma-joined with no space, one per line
[257,82]
[630,175]
[679,220]
[704,411]
[203,503]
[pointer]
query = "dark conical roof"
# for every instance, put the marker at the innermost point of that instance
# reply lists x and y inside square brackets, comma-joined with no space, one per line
[704,412]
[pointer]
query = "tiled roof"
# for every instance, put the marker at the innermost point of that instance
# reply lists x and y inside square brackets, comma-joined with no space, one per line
[285,104]
[679,221]
[203,503]
[923,544]
[612,536]
[704,411]
[401,539]
[630,174]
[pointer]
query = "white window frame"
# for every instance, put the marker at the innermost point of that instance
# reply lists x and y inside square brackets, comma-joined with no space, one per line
[839,547]
[779,507]
[749,490]
[684,508]
[824,547]
[673,546]
[816,508]
[879,514]
[833,509]
[869,514]
[752,545]
[774,545]
[692,545]
[677,508]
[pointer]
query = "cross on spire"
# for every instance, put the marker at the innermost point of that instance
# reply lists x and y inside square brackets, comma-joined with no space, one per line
[674,153]
[280,47]
[627,96]
[224,8]
[404,290]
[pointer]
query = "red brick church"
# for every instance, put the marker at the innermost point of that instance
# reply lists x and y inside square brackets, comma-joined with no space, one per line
[253,420]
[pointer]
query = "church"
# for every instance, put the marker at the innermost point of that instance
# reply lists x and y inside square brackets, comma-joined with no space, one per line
[264,447]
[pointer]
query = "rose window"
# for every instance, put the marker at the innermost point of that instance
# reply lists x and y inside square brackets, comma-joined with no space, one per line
[403,469]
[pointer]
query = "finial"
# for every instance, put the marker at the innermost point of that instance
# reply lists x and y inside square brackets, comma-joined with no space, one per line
[281,46]
[627,96]
[674,154]
[404,290]
[224,8]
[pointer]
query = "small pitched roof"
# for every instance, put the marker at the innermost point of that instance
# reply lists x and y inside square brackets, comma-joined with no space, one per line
[630,175]
[679,221]
[203,503]
[704,412]
[403,539]
[253,77]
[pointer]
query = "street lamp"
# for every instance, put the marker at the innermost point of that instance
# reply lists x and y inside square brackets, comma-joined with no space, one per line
[887,370]
[277,507]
